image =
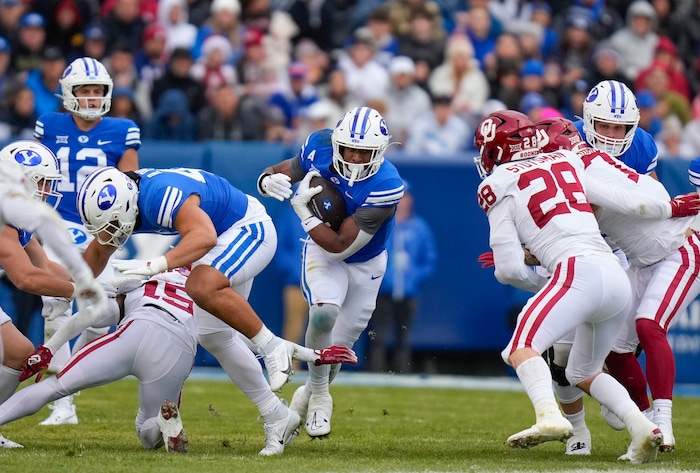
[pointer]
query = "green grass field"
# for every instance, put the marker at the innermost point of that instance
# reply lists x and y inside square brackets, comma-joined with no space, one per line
[375,429]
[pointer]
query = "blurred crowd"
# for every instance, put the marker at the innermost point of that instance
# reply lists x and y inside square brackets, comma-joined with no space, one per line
[274,70]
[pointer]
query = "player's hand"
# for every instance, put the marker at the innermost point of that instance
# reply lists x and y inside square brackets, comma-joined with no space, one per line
[36,364]
[335,354]
[486,259]
[277,185]
[140,267]
[127,284]
[90,295]
[530,259]
[685,205]
[55,306]
[303,195]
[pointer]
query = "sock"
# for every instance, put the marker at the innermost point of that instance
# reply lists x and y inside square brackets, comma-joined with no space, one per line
[625,368]
[607,391]
[536,379]
[9,380]
[578,421]
[661,365]
[262,339]
[273,412]
[663,411]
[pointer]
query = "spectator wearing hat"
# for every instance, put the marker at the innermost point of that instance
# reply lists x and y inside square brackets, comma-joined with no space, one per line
[224,19]
[124,24]
[212,68]
[406,101]
[439,134]
[666,56]
[293,98]
[637,41]
[649,119]
[30,43]
[572,107]
[532,76]
[177,76]
[172,120]
[607,65]
[152,59]
[378,23]
[44,81]
[424,42]
[93,44]
[255,70]
[535,106]
[173,15]
[366,79]
[317,61]
[317,116]
[124,105]
[10,13]
[65,21]
[461,78]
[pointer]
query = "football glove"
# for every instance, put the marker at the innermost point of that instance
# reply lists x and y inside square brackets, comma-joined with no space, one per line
[685,205]
[335,354]
[55,306]
[36,364]
[276,185]
[486,259]
[140,267]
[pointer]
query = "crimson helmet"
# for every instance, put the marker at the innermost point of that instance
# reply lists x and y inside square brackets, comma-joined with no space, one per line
[503,136]
[559,133]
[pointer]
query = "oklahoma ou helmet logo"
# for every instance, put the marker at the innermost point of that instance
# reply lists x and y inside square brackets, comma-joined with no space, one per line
[488,130]
[542,138]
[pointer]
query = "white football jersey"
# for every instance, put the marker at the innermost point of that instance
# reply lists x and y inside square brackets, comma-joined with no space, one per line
[548,207]
[644,240]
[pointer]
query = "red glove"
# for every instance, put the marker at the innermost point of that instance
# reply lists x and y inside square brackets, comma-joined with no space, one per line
[36,364]
[685,205]
[486,259]
[335,354]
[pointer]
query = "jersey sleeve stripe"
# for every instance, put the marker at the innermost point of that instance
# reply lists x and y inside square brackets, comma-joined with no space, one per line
[170,201]
[38,130]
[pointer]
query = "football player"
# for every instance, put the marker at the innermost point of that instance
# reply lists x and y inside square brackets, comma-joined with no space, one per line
[228,237]
[664,260]
[23,187]
[342,271]
[542,203]
[83,139]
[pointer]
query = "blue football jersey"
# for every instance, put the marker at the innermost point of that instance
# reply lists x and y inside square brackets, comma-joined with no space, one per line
[162,192]
[81,152]
[642,155]
[384,189]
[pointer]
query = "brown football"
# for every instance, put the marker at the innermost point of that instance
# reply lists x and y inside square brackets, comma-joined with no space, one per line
[328,205]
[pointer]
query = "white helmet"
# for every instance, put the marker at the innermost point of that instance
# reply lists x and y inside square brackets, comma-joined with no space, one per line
[360,128]
[108,204]
[40,164]
[85,71]
[610,101]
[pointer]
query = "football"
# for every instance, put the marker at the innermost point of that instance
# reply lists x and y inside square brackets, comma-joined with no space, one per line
[328,205]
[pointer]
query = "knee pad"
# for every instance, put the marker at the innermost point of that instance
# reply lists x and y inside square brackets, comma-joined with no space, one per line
[568,394]
[322,317]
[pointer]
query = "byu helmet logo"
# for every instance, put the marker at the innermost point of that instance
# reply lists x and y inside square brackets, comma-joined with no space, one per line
[107,197]
[27,157]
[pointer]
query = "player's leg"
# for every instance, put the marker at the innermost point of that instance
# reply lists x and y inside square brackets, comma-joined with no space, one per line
[241,365]
[13,350]
[162,369]
[672,287]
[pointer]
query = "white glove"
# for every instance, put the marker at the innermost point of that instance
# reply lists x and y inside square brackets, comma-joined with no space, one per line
[276,185]
[127,284]
[303,195]
[90,296]
[55,306]
[140,267]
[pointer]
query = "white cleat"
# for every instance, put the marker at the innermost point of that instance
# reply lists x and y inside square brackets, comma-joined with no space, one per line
[61,415]
[280,434]
[300,402]
[278,363]
[170,425]
[7,443]
[318,417]
[579,444]
[645,445]
[611,418]
[547,430]
[669,443]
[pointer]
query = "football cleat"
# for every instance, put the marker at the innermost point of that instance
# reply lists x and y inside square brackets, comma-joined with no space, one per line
[62,415]
[278,363]
[579,444]
[318,417]
[548,429]
[7,443]
[281,433]
[300,403]
[669,443]
[170,425]
[645,446]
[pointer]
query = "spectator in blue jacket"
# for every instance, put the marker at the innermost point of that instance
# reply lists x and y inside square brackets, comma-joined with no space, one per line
[412,259]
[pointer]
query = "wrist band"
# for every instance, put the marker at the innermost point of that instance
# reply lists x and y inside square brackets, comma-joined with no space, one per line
[260,179]
[311,223]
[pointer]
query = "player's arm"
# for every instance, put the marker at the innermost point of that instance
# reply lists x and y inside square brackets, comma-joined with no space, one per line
[197,232]
[129,161]
[508,254]
[97,255]
[39,259]
[19,268]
